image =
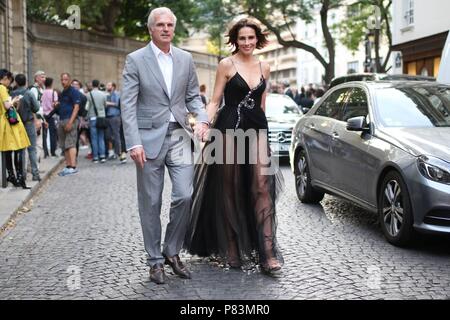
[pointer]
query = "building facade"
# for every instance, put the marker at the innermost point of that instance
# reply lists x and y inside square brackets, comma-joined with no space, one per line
[420,29]
[299,67]
[6,33]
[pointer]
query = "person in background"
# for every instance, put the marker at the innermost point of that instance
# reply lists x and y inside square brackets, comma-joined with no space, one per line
[28,108]
[38,89]
[318,94]
[49,101]
[307,102]
[114,121]
[287,90]
[83,127]
[68,105]
[96,108]
[13,137]
[203,94]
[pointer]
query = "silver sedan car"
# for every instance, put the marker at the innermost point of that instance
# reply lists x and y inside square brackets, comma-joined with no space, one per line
[383,145]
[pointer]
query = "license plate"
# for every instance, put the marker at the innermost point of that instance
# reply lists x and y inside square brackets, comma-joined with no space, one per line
[279,147]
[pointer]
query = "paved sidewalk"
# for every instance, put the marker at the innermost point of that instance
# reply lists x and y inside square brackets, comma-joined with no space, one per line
[13,200]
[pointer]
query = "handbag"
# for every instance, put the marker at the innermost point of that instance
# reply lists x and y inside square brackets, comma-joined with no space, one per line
[54,110]
[100,121]
[12,116]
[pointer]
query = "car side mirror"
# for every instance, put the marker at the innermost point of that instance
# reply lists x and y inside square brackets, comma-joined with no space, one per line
[357,124]
[305,109]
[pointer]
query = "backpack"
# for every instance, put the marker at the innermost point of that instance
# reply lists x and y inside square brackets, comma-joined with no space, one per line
[39,93]
[83,112]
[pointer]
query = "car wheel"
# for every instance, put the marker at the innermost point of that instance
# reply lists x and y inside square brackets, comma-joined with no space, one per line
[305,191]
[395,211]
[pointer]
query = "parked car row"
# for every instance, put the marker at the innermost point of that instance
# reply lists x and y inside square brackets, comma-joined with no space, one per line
[384,145]
[282,114]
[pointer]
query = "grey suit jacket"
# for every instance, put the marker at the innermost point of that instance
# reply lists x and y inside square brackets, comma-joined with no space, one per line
[145,102]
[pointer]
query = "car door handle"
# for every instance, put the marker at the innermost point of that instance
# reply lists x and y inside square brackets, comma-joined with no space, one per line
[335,135]
[311,126]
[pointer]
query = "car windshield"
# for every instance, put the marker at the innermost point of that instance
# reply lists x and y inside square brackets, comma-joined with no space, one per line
[419,106]
[281,106]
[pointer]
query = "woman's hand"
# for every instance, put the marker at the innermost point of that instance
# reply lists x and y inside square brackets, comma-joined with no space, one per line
[15,101]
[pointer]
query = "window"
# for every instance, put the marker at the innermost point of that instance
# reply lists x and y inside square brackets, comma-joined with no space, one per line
[356,105]
[330,107]
[412,107]
[352,67]
[408,9]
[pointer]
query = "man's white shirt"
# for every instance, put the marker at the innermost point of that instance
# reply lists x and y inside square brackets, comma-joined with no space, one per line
[165,62]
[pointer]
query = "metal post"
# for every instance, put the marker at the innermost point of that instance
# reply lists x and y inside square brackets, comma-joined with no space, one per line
[3,165]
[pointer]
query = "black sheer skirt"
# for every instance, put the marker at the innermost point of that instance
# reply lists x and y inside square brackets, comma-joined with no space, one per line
[233,216]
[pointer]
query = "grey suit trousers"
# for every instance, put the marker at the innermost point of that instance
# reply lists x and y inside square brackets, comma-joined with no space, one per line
[176,155]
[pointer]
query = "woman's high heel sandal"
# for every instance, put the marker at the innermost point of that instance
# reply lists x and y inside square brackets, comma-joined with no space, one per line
[234,263]
[273,269]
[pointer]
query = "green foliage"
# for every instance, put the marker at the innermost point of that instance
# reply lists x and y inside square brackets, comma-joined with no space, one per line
[353,29]
[213,16]
[119,17]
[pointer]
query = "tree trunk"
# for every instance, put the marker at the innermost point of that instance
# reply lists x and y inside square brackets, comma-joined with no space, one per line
[329,67]
[385,18]
[109,17]
[377,51]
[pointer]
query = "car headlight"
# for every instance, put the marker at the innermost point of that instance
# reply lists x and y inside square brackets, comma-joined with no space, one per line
[434,169]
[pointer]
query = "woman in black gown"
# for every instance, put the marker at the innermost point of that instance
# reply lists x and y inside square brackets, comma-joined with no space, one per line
[233,207]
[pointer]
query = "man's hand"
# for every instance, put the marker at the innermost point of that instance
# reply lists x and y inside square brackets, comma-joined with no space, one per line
[68,126]
[138,156]
[200,130]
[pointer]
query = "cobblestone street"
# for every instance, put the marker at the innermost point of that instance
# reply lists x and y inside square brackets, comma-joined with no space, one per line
[82,240]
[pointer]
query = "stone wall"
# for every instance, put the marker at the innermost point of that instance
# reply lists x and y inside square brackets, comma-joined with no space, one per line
[19,59]
[87,55]
[6,33]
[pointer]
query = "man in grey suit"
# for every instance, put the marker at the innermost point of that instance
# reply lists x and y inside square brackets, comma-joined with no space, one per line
[159,84]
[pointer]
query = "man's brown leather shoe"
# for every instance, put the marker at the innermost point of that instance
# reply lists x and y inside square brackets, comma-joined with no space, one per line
[178,267]
[157,274]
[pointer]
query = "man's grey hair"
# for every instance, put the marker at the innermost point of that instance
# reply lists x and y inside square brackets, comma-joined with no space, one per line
[156,12]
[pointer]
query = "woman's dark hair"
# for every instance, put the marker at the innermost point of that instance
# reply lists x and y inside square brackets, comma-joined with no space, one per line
[48,82]
[6,73]
[234,32]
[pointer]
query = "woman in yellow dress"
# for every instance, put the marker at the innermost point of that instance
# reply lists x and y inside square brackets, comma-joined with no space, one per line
[13,137]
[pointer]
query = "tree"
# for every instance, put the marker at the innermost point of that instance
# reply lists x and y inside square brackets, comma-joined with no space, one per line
[213,16]
[279,15]
[98,15]
[362,20]
[118,17]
